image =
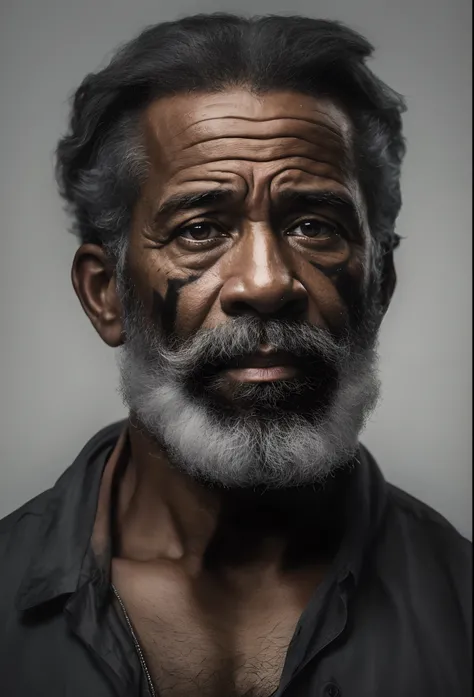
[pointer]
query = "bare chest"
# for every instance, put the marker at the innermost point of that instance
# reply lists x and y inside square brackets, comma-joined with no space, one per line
[194,656]
[202,644]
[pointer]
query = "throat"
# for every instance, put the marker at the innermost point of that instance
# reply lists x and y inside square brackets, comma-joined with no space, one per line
[160,513]
[286,530]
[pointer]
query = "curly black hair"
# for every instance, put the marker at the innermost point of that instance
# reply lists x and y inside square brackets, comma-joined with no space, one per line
[101,162]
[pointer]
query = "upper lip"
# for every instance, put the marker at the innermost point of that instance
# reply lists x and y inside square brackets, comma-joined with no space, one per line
[263,360]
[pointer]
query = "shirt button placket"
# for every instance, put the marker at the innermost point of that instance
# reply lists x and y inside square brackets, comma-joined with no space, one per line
[331,690]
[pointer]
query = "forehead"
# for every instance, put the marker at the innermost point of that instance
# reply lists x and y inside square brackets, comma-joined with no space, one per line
[186,115]
[238,135]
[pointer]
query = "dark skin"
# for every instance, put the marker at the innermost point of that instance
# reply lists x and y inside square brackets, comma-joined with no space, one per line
[251,205]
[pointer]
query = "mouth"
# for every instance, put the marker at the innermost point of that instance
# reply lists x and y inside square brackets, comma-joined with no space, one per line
[267,382]
[265,366]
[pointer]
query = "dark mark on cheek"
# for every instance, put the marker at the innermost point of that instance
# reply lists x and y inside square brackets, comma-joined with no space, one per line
[165,309]
[347,286]
[157,306]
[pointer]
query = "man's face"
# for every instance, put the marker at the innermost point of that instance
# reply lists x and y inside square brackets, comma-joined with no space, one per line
[250,238]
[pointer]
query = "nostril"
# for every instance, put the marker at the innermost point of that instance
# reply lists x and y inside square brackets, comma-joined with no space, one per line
[241,308]
[296,306]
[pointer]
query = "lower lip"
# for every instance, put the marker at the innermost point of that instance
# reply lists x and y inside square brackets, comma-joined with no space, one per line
[277,372]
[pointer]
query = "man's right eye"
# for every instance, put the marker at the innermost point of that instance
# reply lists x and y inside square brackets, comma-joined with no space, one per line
[200,232]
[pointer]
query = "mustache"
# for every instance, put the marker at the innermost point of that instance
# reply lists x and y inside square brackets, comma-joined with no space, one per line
[209,349]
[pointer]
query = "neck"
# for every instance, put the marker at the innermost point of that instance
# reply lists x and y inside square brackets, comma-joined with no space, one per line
[162,513]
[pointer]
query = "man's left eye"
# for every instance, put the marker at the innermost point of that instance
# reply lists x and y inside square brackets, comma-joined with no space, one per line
[319,229]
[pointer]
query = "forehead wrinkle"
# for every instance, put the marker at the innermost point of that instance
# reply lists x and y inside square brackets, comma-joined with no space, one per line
[326,169]
[274,158]
[240,136]
[166,153]
[339,162]
[333,152]
[336,130]
[316,178]
[226,180]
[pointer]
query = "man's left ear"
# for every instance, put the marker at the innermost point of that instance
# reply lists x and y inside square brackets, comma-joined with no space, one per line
[389,280]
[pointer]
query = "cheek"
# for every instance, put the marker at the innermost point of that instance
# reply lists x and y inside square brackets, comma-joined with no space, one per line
[325,307]
[176,300]
[148,274]
[165,308]
[179,301]
[199,304]
[337,291]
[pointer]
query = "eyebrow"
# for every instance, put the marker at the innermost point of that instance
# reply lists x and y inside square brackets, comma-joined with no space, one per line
[317,199]
[191,201]
[287,199]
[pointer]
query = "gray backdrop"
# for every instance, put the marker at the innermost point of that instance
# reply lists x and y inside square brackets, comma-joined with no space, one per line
[58,382]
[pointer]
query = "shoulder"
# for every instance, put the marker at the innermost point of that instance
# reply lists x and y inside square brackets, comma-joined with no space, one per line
[405,522]
[19,540]
[23,518]
[421,557]
[20,529]
[405,519]
[418,561]
[418,519]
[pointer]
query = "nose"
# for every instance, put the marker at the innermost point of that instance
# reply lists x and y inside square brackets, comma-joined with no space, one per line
[260,281]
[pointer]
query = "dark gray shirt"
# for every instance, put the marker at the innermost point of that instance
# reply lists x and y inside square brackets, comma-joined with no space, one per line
[392,619]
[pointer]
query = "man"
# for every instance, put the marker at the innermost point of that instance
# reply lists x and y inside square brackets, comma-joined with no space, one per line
[234,185]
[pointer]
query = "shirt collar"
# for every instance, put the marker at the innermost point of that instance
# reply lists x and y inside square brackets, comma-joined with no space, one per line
[67,523]
[366,505]
[74,544]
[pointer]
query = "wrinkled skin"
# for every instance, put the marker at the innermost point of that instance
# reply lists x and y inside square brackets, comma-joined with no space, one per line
[247,263]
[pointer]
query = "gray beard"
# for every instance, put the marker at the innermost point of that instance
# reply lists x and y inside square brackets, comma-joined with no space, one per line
[265,444]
